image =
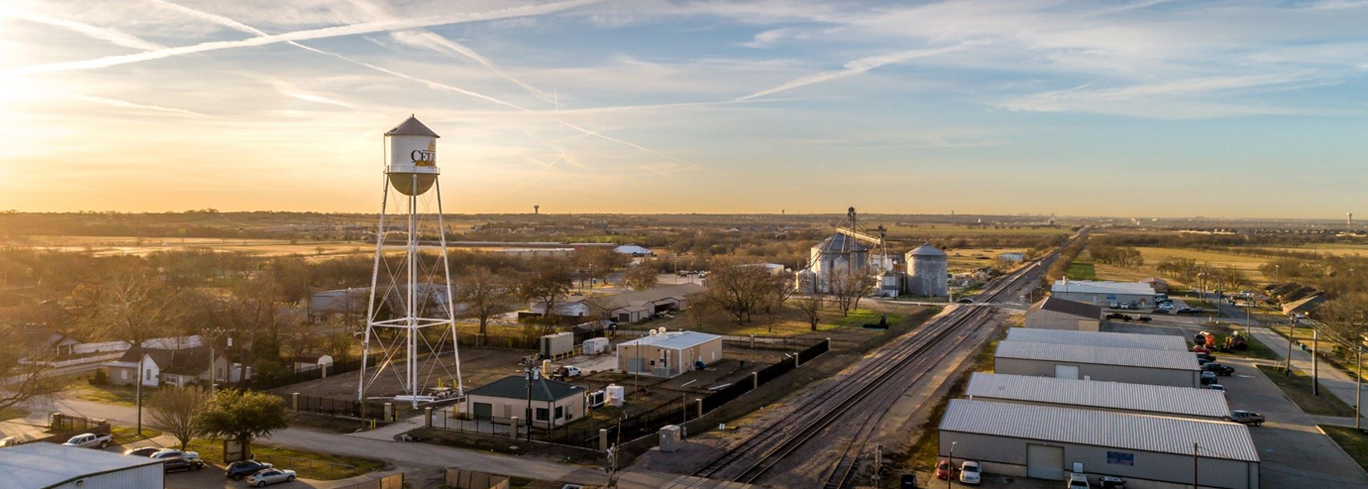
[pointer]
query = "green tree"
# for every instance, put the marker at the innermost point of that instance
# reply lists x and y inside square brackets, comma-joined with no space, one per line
[243,416]
[640,277]
[175,411]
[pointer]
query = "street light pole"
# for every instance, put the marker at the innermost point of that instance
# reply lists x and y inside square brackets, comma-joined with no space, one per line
[950,470]
[1291,331]
[1315,361]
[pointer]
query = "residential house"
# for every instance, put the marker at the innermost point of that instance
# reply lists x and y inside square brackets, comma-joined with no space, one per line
[179,368]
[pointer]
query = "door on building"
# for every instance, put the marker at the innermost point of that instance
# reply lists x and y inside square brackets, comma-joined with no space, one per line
[484,411]
[634,364]
[1066,372]
[1045,462]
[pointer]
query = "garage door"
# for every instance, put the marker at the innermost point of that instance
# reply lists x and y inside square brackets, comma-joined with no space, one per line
[483,411]
[1066,372]
[1043,462]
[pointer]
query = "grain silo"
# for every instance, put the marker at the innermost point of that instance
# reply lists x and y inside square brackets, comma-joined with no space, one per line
[928,272]
[840,252]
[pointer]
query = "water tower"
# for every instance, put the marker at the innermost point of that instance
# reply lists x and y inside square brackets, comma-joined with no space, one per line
[409,316]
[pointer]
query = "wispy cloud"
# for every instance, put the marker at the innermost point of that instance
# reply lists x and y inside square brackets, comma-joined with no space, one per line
[124,104]
[438,43]
[858,66]
[101,33]
[304,35]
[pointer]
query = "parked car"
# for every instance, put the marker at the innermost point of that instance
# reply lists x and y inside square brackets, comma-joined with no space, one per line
[909,481]
[270,476]
[1206,356]
[142,452]
[1078,481]
[565,372]
[1203,362]
[1113,305]
[1109,482]
[1216,387]
[1145,319]
[1208,378]
[176,460]
[243,468]
[970,473]
[88,440]
[1219,368]
[965,300]
[1246,417]
[1188,310]
[943,470]
[1115,315]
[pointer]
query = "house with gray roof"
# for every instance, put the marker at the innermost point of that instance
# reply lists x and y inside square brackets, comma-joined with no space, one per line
[1055,313]
[177,367]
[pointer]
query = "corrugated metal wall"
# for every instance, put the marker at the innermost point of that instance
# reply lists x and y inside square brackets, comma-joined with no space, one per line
[1161,467]
[1110,373]
[145,477]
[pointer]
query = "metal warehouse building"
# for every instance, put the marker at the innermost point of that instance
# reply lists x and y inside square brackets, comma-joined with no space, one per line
[1101,293]
[1099,395]
[1150,452]
[51,466]
[1056,313]
[1129,365]
[1092,338]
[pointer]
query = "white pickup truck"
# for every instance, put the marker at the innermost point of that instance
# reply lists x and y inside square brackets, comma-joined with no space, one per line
[88,440]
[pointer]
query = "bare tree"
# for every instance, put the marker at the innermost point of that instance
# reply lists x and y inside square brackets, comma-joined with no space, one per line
[848,286]
[547,286]
[776,290]
[737,289]
[174,411]
[698,308]
[640,277]
[483,294]
[339,345]
[811,305]
[135,306]
[21,381]
[1345,320]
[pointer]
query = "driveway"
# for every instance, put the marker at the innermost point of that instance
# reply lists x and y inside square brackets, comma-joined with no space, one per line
[1293,452]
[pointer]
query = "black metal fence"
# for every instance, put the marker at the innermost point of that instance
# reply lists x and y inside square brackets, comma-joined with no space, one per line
[61,424]
[585,433]
[370,410]
[290,378]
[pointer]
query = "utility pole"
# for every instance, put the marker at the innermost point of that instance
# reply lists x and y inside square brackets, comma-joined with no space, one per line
[950,471]
[1358,386]
[1315,361]
[528,373]
[1291,331]
[137,391]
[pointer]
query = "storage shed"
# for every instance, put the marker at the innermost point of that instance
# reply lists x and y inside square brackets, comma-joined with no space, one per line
[52,466]
[1099,395]
[1056,313]
[1148,451]
[1092,338]
[668,354]
[1130,365]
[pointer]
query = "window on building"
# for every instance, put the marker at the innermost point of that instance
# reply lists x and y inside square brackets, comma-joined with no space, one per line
[123,374]
[560,412]
[147,375]
[542,413]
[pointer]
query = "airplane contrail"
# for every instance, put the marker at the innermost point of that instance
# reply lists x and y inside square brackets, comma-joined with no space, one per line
[430,39]
[95,32]
[858,66]
[321,33]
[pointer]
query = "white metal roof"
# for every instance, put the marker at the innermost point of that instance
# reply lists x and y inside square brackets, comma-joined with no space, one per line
[1101,287]
[674,340]
[1152,399]
[1100,355]
[1159,434]
[41,465]
[1115,340]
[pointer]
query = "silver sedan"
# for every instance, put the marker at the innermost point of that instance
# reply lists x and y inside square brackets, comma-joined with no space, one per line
[270,476]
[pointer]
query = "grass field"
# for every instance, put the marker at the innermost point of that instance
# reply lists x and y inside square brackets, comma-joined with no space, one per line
[12,413]
[309,465]
[1081,271]
[129,434]
[1247,264]
[957,230]
[1341,249]
[1352,441]
[1298,388]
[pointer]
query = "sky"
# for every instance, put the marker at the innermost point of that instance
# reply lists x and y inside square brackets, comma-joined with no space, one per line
[1145,108]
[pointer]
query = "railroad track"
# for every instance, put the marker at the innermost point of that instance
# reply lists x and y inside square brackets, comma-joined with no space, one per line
[865,391]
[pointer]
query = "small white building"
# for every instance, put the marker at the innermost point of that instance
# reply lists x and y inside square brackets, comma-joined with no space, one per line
[53,466]
[1102,293]
[1150,452]
[1012,257]
[634,250]
[1056,313]
[312,361]
[1131,365]
[668,354]
[178,368]
[1094,394]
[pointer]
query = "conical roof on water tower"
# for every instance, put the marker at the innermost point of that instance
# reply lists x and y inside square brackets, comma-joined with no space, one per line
[411,127]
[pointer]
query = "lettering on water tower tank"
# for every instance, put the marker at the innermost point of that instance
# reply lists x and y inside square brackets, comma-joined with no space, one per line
[424,157]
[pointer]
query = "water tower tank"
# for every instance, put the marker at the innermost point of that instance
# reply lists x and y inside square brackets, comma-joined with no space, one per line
[412,156]
[928,271]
